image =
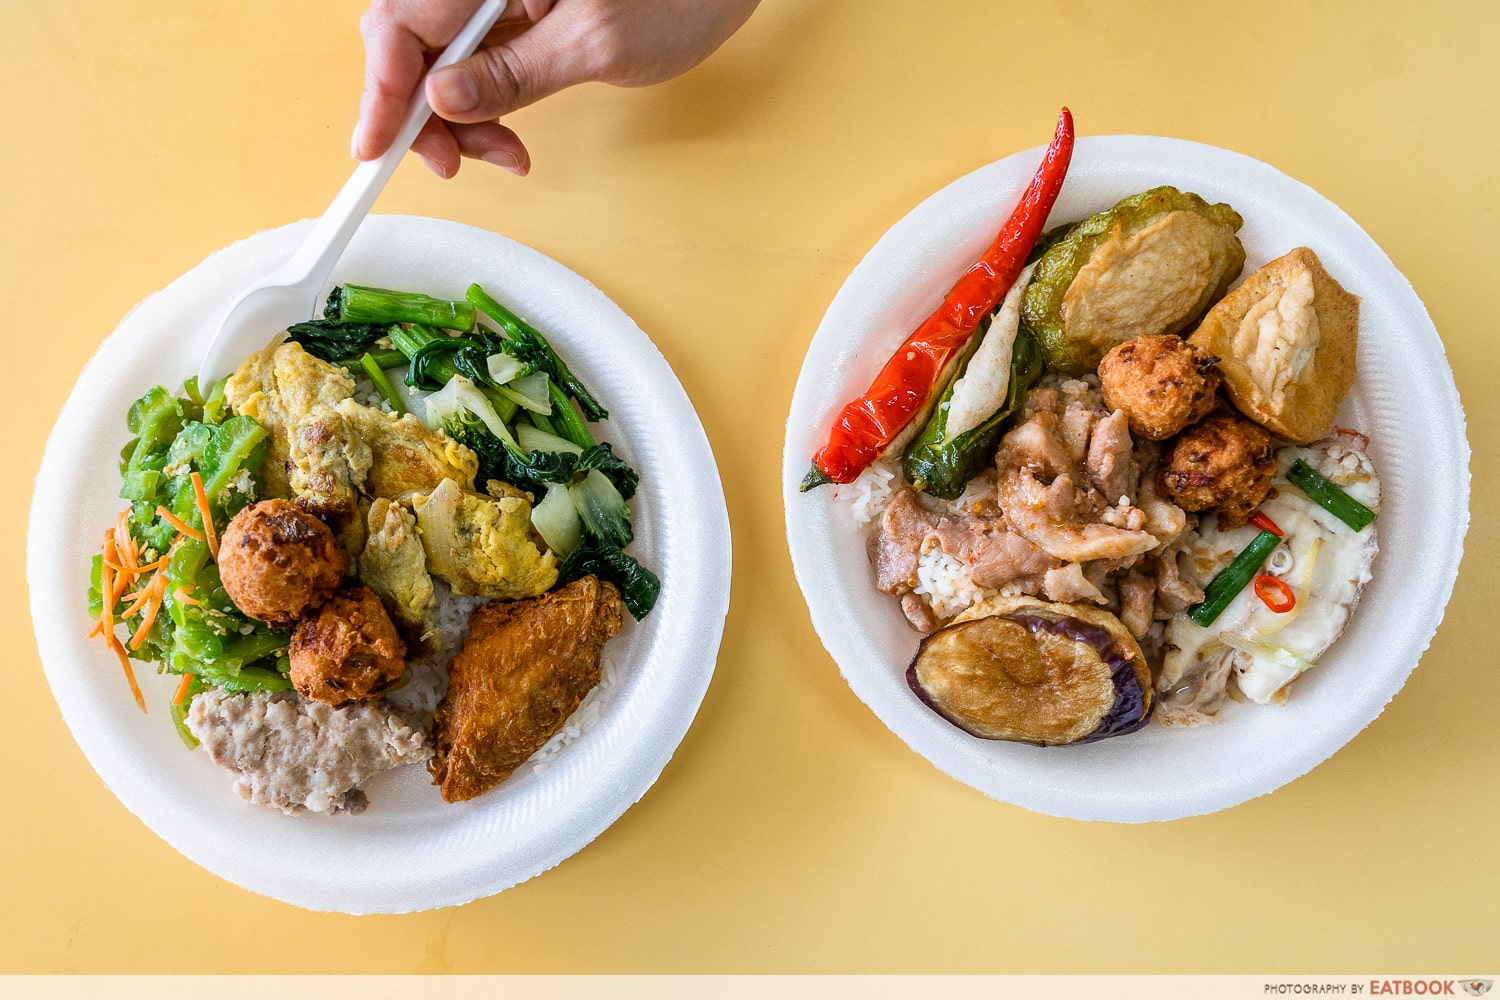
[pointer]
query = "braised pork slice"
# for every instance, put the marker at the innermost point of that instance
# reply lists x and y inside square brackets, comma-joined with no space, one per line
[978,537]
[1059,471]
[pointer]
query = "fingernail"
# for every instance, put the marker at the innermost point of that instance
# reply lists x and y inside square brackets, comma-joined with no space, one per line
[434,166]
[455,89]
[507,161]
[357,140]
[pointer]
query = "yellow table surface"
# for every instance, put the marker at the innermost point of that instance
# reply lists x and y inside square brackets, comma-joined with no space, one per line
[722,210]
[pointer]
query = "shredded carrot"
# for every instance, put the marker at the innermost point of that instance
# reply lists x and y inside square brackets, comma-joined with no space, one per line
[182,526]
[106,588]
[125,542]
[201,498]
[182,690]
[153,605]
[182,596]
[152,566]
[135,689]
[140,598]
[98,629]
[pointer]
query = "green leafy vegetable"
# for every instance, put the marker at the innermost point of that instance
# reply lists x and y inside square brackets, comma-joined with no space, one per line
[530,346]
[639,587]
[336,342]
[363,304]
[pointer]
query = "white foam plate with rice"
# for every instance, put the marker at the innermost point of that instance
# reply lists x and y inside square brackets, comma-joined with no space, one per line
[1403,398]
[409,850]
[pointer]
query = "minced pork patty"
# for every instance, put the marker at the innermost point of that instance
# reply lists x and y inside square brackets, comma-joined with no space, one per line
[300,755]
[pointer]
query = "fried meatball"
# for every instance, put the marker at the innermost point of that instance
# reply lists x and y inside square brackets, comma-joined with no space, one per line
[347,650]
[1162,382]
[278,562]
[1223,464]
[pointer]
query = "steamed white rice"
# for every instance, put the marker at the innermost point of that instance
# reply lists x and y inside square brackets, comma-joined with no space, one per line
[868,495]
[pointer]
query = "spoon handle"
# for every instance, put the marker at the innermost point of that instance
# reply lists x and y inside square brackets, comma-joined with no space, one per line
[313,262]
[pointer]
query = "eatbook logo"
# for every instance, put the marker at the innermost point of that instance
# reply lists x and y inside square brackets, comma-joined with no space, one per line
[1477,987]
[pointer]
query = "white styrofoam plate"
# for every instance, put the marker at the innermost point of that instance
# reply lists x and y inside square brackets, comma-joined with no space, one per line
[409,850]
[1404,398]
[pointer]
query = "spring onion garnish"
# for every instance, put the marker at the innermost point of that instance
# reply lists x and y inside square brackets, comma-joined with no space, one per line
[1327,494]
[1232,579]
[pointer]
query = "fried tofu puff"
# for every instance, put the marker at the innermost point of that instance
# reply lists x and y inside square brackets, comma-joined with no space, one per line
[279,562]
[1223,463]
[1162,382]
[347,650]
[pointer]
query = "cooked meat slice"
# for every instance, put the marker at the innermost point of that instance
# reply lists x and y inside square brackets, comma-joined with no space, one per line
[347,650]
[394,565]
[524,668]
[1223,464]
[278,562]
[483,547]
[329,462]
[1161,382]
[406,457]
[1056,517]
[993,555]
[1137,602]
[1173,594]
[1196,696]
[1068,585]
[297,755]
[279,387]
[918,614]
[896,548]
[1108,461]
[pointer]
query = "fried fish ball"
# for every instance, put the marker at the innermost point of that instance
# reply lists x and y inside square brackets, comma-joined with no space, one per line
[1162,382]
[347,650]
[1223,464]
[278,562]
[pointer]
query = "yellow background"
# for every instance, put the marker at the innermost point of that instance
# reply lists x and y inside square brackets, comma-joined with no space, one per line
[792,831]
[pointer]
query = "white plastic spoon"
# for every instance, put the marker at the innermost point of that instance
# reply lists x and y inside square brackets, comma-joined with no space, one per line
[290,293]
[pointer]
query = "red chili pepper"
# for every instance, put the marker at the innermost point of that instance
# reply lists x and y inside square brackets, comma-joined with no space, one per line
[1275,594]
[868,425]
[1264,523]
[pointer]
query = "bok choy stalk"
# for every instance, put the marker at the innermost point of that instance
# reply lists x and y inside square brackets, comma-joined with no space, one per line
[527,344]
[988,387]
[362,304]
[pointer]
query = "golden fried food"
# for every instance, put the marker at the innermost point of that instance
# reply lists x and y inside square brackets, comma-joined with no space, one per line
[1287,337]
[524,668]
[1223,464]
[394,565]
[483,546]
[1162,383]
[280,386]
[347,650]
[278,562]
[405,456]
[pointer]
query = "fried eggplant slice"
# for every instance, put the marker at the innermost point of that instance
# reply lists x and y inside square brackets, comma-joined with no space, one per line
[524,668]
[1152,264]
[1030,671]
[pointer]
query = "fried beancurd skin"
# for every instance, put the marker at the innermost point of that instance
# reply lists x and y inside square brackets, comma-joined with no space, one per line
[279,562]
[1223,464]
[1162,382]
[347,650]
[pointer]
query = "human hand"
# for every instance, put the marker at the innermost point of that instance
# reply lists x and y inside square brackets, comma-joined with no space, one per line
[537,48]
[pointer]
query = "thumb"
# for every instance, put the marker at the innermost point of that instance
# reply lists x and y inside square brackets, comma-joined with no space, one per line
[501,78]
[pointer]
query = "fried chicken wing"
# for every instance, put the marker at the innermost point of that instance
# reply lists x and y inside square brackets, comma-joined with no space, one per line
[524,668]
